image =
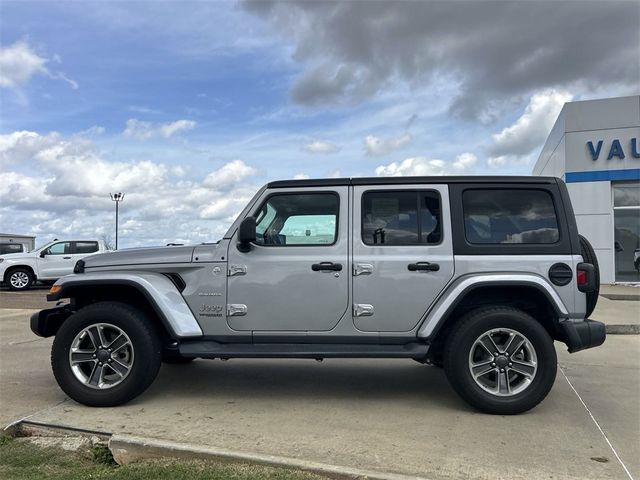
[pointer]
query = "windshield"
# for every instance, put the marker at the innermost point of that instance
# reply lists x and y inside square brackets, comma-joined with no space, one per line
[41,247]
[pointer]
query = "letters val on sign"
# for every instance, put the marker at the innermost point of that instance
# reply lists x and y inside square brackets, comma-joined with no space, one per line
[615,150]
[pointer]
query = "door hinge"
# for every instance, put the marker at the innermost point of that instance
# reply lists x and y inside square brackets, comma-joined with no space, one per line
[362,310]
[236,309]
[362,269]
[237,270]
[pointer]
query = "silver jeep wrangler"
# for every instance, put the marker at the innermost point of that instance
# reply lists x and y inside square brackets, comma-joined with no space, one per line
[478,275]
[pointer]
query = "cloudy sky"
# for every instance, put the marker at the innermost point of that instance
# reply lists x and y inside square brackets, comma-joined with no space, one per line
[188,107]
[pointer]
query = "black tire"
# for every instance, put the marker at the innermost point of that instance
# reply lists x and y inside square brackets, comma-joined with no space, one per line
[24,273]
[589,256]
[146,360]
[459,345]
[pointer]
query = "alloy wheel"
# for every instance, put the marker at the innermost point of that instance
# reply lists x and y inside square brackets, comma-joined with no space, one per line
[101,356]
[503,362]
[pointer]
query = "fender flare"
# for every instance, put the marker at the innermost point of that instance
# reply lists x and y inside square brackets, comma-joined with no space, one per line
[160,291]
[451,297]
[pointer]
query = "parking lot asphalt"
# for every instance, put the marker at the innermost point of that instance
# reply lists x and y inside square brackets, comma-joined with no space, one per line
[385,415]
[31,299]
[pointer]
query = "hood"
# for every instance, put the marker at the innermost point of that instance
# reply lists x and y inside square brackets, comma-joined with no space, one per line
[140,256]
[18,256]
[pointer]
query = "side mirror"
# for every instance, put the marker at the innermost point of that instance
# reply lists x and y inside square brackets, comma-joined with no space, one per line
[246,234]
[43,253]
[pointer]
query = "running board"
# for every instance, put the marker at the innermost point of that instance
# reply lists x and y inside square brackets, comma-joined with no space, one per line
[211,349]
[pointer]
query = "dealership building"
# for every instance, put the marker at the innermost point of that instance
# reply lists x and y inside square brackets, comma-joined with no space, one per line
[595,147]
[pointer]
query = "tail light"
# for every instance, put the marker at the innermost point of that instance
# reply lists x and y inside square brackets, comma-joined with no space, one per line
[582,278]
[586,277]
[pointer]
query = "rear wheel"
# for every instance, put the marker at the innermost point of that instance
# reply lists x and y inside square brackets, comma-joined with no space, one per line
[589,256]
[19,279]
[500,360]
[106,354]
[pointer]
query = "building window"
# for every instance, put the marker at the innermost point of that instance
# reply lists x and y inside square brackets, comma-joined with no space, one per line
[626,219]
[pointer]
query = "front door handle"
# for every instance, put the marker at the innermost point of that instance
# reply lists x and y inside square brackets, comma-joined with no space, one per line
[326,267]
[66,258]
[423,267]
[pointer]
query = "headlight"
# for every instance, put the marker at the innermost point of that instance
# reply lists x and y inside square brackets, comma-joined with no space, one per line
[1,260]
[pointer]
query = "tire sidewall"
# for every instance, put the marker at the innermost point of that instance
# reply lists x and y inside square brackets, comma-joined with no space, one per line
[457,361]
[20,289]
[147,354]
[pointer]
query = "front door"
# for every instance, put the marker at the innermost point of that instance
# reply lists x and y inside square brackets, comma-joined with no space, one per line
[402,254]
[295,277]
[57,261]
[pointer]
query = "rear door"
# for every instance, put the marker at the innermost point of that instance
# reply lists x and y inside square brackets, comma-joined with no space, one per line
[83,249]
[402,254]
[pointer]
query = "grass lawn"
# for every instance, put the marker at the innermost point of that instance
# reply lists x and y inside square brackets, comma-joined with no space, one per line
[20,459]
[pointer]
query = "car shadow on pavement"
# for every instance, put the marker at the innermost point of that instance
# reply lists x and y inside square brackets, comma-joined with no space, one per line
[350,380]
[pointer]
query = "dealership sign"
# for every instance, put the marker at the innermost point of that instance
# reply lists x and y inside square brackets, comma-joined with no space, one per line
[615,149]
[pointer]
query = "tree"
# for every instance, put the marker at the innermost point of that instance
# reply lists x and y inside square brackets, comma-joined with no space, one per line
[108,243]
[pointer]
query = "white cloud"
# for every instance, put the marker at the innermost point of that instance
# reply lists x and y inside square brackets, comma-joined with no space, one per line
[229,175]
[19,63]
[93,131]
[319,146]
[142,130]
[383,146]
[422,166]
[514,144]
[66,192]
[301,176]
[22,145]
[465,161]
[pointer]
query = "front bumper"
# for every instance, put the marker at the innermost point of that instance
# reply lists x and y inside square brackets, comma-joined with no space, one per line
[581,335]
[45,323]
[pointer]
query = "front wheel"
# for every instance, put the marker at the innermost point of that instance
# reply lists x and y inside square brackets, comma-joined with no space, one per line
[19,279]
[106,354]
[500,360]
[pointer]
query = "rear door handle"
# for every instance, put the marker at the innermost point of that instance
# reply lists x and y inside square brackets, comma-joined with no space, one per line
[66,258]
[326,267]
[423,267]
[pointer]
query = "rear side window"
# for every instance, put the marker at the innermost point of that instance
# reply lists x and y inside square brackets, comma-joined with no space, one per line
[509,216]
[86,247]
[403,217]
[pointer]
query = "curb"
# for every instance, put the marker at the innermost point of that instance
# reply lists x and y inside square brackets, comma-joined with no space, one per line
[623,329]
[621,296]
[127,449]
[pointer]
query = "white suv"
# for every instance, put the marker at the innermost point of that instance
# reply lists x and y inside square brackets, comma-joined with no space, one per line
[49,262]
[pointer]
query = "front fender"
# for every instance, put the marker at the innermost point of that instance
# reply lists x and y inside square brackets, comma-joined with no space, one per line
[159,290]
[439,312]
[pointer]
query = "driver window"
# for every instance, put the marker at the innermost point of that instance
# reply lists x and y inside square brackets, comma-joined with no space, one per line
[62,248]
[298,219]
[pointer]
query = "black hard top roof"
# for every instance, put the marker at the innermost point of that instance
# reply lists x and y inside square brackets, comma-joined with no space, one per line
[334,182]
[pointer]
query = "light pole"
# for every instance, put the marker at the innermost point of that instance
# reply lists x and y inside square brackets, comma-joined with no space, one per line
[117,197]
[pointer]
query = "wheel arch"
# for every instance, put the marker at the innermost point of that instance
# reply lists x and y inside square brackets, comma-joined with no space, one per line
[10,269]
[152,292]
[529,293]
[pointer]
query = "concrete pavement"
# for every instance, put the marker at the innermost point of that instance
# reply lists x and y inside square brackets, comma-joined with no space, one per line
[382,415]
[26,381]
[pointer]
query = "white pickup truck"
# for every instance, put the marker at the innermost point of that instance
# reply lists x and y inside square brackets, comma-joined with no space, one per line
[54,260]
